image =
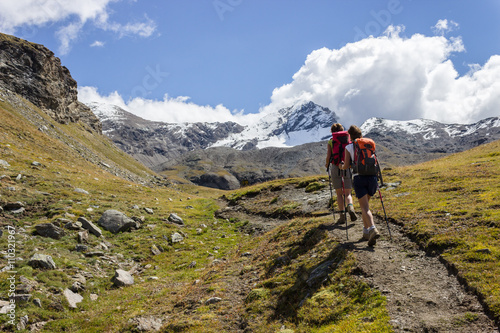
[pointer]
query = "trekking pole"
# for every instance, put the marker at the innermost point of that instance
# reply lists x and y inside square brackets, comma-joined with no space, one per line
[379,175]
[331,192]
[343,197]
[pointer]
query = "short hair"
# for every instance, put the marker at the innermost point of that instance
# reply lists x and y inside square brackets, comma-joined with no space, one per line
[354,132]
[337,128]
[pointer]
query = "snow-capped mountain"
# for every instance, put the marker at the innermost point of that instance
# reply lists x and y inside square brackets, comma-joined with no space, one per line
[430,136]
[288,127]
[153,143]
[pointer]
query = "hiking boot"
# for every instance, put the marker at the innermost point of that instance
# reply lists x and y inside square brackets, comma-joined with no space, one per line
[373,235]
[341,220]
[352,213]
[365,236]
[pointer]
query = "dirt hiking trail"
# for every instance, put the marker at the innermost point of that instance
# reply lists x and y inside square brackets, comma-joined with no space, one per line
[422,295]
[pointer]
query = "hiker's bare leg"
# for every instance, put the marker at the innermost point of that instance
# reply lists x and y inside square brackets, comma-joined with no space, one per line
[340,199]
[348,196]
[365,211]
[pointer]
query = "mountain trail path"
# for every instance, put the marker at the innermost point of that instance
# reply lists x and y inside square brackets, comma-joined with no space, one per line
[422,295]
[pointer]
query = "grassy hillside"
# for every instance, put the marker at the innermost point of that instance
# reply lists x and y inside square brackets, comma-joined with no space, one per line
[223,276]
[451,207]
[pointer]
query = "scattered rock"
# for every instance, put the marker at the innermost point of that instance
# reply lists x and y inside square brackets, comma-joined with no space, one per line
[13,206]
[115,221]
[80,190]
[94,254]
[76,287]
[486,251]
[42,261]
[213,300]
[83,236]
[122,278]
[23,321]
[86,224]
[5,164]
[147,324]
[81,248]
[149,210]
[49,230]
[155,250]
[174,218]
[72,298]
[37,302]
[176,237]
[93,297]
[37,164]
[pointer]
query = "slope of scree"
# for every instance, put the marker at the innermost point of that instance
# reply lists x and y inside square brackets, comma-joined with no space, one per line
[422,295]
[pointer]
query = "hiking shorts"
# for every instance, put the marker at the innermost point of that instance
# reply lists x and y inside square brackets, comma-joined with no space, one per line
[364,185]
[336,175]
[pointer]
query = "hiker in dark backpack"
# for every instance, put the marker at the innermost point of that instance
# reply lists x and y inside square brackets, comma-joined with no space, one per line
[341,179]
[360,155]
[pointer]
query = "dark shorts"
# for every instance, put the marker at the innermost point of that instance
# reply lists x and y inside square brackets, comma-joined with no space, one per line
[364,185]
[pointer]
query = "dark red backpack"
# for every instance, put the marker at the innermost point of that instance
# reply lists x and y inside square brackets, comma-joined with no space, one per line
[365,160]
[339,141]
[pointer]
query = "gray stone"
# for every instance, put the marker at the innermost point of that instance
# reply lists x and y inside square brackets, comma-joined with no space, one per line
[176,237]
[149,210]
[42,261]
[4,163]
[174,218]
[122,278]
[76,287]
[80,190]
[213,300]
[13,206]
[73,226]
[23,321]
[83,236]
[49,230]
[72,298]
[147,324]
[91,227]
[155,250]
[81,248]
[115,221]
[37,302]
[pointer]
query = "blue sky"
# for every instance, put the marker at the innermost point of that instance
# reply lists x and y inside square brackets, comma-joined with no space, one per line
[216,60]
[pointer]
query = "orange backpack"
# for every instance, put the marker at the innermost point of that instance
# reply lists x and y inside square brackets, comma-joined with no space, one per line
[365,159]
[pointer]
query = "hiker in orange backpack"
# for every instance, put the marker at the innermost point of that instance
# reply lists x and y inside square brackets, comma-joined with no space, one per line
[341,179]
[360,156]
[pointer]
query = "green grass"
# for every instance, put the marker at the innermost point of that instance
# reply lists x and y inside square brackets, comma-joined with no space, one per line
[451,210]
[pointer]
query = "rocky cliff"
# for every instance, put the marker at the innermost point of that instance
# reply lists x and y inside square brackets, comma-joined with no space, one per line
[32,71]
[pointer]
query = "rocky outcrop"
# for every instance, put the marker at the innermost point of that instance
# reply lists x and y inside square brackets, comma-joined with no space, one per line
[32,71]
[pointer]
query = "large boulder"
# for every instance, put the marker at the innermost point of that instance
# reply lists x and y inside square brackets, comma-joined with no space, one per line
[42,261]
[115,221]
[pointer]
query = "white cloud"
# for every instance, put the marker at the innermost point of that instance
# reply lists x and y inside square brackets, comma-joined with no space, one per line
[444,26]
[389,76]
[97,43]
[395,78]
[35,13]
[170,109]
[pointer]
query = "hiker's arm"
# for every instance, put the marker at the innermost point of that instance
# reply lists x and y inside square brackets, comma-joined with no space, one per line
[328,156]
[346,164]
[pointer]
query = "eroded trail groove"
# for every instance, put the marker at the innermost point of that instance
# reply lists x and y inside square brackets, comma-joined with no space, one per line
[422,296]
